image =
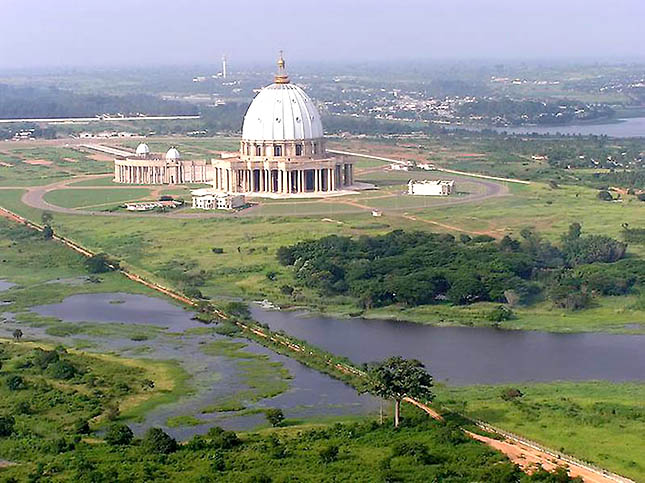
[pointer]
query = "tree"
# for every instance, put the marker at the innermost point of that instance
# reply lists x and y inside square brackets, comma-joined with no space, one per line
[17,334]
[604,195]
[119,434]
[397,378]
[48,233]
[328,454]
[157,441]
[274,416]
[7,424]
[100,263]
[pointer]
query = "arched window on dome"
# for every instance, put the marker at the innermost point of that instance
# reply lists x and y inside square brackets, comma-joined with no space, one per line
[298,149]
[277,149]
[315,148]
[258,150]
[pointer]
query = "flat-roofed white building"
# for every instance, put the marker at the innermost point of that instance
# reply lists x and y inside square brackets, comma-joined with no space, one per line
[431,187]
[210,199]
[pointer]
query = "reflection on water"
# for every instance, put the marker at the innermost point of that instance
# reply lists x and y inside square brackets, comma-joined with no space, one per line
[469,355]
[310,393]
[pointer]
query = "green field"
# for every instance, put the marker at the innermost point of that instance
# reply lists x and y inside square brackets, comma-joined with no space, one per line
[99,198]
[600,422]
[250,242]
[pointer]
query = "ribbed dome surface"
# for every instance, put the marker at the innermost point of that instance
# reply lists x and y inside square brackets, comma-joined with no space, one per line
[281,112]
[142,149]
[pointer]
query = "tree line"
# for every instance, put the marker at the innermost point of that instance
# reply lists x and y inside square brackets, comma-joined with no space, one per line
[40,102]
[420,268]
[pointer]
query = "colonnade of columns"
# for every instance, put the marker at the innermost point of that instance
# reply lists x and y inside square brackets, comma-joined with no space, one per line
[283,181]
[161,174]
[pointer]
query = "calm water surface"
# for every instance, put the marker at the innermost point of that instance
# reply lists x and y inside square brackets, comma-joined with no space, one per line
[457,355]
[310,393]
[630,127]
[469,355]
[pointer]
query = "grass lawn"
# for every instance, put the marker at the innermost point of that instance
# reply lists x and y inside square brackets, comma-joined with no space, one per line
[104,181]
[100,198]
[250,240]
[600,422]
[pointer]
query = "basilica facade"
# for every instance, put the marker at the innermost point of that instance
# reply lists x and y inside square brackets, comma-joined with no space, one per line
[282,152]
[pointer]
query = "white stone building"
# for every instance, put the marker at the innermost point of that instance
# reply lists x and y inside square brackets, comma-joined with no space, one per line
[155,168]
[209,199]
[431,187]
[282,152]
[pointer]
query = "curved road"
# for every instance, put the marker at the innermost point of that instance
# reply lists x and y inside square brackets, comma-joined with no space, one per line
[34,197]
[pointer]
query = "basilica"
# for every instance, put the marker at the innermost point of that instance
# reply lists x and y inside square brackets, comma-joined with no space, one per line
[282,152]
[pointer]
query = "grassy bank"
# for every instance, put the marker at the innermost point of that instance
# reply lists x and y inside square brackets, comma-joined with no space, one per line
[600,422]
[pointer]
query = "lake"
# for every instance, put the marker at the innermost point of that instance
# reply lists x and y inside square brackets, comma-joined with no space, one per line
[623,128]
[471,355]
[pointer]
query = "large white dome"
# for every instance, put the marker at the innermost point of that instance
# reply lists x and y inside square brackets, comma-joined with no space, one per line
[281,112]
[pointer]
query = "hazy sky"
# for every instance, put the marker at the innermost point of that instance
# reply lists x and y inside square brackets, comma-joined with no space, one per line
[38,33]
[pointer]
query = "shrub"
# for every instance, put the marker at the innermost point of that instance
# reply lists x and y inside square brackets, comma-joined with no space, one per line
[193,292]
[82,426]
[198,443]
[641,196]
[328,454]
[23,407]
[16,383]
[63,370]
[416,450]
[217,462]
[604,195]
[7,424]
[44,358]
[511,393]
[239,309]
[274,416]
[286,290]
[500,314]
[100,263]
[271,275]
[228,329]
[157,441]
[119,434]
[221,439]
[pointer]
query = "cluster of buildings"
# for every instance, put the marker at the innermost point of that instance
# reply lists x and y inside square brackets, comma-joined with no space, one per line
[282,154]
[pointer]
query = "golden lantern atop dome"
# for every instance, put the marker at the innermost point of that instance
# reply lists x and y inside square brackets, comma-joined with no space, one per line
[281,77]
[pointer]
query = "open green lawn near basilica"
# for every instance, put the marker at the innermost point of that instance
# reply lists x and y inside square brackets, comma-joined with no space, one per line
[157,246]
